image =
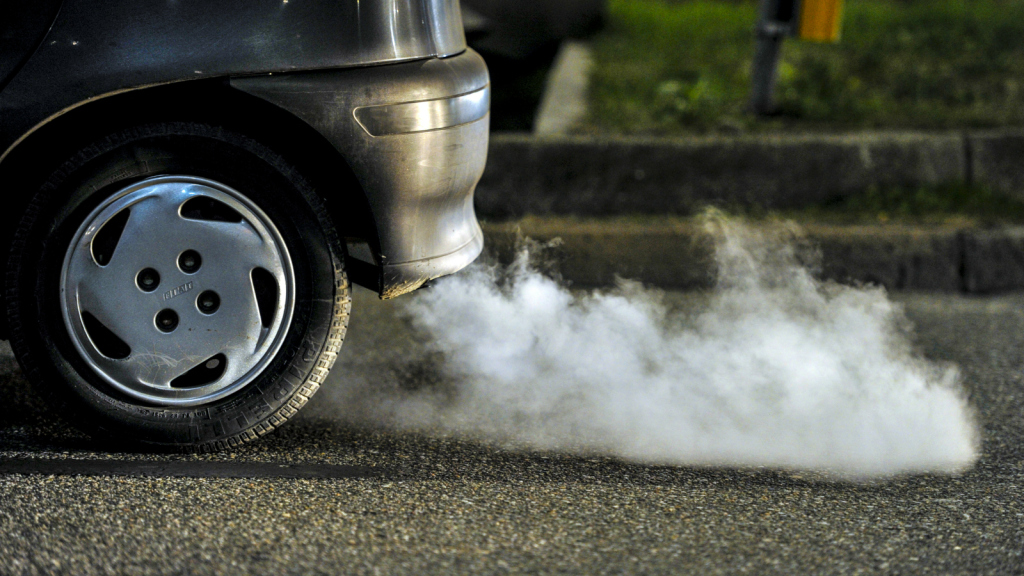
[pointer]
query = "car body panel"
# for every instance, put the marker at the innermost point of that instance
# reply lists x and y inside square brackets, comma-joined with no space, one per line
[23,23]
[98,47]
[419,183]
[403,62]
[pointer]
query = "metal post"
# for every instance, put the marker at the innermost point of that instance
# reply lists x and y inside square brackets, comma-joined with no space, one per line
[774,24]
[766,63]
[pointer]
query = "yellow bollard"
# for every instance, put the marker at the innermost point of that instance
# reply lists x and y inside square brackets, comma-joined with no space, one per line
[819,20]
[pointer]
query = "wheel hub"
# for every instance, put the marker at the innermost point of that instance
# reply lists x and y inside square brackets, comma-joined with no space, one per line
[177,290]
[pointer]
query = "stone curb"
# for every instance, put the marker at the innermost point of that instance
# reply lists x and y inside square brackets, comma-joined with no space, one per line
[590,176]
[678,254]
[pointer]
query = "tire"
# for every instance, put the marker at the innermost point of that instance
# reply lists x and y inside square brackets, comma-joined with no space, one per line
[177,286]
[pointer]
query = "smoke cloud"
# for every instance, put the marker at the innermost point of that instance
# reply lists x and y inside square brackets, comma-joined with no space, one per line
[770,368]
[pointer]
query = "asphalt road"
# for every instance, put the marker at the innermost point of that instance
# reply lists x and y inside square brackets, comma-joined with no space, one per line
[325,496]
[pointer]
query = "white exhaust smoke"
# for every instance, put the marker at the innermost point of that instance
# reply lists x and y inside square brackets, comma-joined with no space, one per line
[774,369]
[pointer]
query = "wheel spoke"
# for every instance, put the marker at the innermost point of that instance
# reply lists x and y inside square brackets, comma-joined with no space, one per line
[109,313]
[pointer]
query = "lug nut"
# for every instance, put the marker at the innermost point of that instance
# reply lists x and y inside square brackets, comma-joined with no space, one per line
[189,261]
[166,320]
[147,279]
[208,302]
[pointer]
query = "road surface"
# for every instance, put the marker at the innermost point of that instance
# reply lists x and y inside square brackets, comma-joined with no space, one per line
[325,496]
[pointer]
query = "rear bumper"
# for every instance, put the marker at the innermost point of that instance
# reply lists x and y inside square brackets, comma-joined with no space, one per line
[415,135]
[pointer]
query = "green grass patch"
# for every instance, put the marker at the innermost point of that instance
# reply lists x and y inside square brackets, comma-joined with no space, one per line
[945,203]
[950,203]
[684,67]
[936,204]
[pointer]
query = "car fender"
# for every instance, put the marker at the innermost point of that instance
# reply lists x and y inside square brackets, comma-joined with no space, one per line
[415,135]
[96,48]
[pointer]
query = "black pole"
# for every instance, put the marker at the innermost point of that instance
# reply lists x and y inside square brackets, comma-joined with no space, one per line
[763,75]
[774,24]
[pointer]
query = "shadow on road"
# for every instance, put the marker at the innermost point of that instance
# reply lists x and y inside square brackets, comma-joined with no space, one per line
[34,440]
[31,434]
[320,436]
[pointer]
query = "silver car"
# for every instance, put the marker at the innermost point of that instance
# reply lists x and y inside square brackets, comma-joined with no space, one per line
[182,181]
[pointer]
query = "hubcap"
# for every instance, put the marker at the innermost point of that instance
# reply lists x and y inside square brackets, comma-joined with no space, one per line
[177,290]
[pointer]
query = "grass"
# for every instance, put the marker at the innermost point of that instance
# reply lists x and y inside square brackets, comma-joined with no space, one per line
[684,67]
[937,204]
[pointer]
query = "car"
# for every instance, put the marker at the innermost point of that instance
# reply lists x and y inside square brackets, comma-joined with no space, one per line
[190,188]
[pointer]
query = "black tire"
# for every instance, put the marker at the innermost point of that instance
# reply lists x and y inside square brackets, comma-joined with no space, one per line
[310,343]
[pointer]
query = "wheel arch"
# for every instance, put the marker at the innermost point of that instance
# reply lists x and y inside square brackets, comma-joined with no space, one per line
[31,160]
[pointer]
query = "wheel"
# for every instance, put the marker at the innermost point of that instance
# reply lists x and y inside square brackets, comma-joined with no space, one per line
[177,286]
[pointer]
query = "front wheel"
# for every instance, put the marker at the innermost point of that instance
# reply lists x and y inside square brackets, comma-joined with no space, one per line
[177,286]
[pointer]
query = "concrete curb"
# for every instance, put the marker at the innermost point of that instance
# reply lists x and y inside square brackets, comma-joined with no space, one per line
[678,254]
[605,176]
[564,103]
